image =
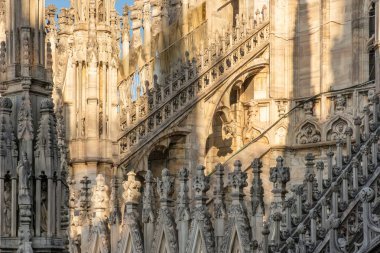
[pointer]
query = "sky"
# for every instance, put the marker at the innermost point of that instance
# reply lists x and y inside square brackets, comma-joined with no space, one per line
[65,3]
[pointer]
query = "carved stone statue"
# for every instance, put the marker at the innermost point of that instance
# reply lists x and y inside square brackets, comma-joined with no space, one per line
[132,189]
[100,197]
[44,210]
[23,171]
[7,205]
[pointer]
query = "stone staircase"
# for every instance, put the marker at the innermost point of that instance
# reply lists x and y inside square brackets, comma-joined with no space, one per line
[168,101]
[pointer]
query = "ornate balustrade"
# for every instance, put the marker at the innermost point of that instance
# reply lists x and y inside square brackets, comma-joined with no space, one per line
[182,88]
[331,211]
[323,214]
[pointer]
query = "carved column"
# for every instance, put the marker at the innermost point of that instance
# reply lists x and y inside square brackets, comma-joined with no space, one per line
[349,133]
[355,176]
[183,212]
[219,206]
[8,150]
[257,197]
[339,154]
[50,214]
[237,214]
[148,213]
[165,225]
[357,123]
[279,176]
[125,41]
[375,149]
[201,218]
[373,105]
[14,206]
[366,122]
[330,155]
[147,27]
[367,196]
[24,205]
[131,239]
[136,16]
[185,18]
[115,218]
[100,205]
[309,179]
[320,167]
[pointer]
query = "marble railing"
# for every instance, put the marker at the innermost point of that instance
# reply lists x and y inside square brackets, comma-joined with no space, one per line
[159,106]
[329,212]
[323,214]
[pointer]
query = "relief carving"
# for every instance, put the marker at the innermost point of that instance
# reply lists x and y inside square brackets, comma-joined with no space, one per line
[308,134]
[337,130]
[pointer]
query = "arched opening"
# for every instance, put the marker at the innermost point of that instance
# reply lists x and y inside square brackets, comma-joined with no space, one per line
[240,117]
[172,156]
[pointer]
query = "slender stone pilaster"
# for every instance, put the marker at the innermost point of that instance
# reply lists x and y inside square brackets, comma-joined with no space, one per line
[24,205]
[183,211]
[320,167]
[148,213]
[237,213]
[257,197]
[279,176]
[220,213]
[38,206]
[115,216]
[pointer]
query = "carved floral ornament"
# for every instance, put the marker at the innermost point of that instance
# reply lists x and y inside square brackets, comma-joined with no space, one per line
[308,133]
[338,130]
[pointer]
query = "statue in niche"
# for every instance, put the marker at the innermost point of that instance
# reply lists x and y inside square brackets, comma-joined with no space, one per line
[83,126]
[250,132]
[340,102]
[7,204]
[23,171]
[100,197]
[44,195]
[101,13]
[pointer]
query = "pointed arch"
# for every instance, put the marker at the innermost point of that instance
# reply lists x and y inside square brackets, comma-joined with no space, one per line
[201,237]
[165,235]
[308,132]
[337,128]
[130,239]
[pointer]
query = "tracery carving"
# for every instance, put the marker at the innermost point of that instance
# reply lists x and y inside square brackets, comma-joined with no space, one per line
[183,212]
[201,218]
[337,130]
[148,214]
[165,221]
[99,234]
[219,192]
[131,237]
[237,214]
[308,134]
